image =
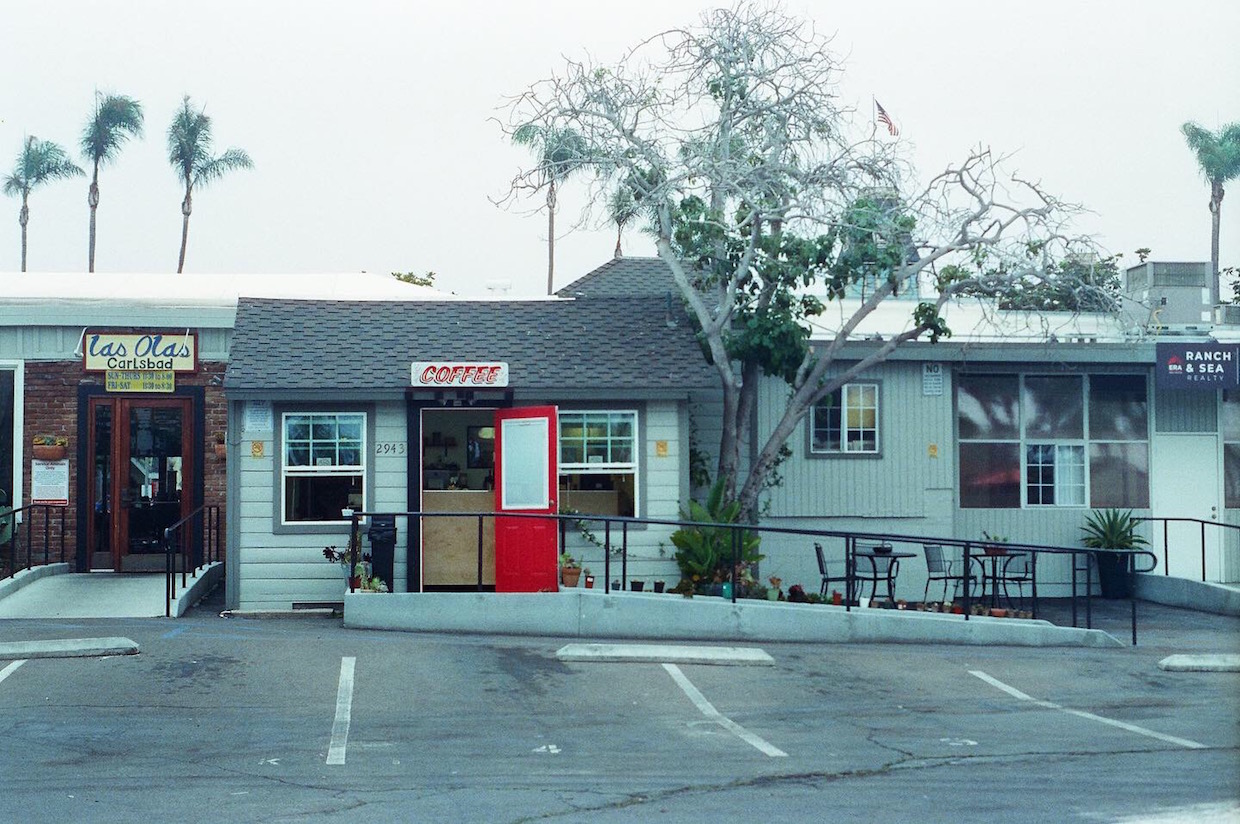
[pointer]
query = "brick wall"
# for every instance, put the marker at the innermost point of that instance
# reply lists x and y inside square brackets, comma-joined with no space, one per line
[51,408]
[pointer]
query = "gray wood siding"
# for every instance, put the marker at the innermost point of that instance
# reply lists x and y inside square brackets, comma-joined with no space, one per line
[892,485]
[278,570]
[1185,411]
[60,343]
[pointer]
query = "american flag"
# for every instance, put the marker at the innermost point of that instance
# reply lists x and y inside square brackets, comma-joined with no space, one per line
[885,119]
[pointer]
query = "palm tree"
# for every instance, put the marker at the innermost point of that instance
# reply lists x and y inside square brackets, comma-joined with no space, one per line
[1218,154]
[189,152]
[39,162]
[116,119]
[621,208]
[561,152]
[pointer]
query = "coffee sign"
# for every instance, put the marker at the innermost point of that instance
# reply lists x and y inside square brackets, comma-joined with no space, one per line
[1198,366]
[459,374]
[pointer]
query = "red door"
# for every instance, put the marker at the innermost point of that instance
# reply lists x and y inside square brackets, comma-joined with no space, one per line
[526,549]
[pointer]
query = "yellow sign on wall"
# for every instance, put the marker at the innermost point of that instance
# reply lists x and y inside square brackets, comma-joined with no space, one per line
[163,381]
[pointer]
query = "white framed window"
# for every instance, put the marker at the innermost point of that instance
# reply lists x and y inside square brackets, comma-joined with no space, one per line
[599,462]
[846,421]
[1055,474]
[322,465]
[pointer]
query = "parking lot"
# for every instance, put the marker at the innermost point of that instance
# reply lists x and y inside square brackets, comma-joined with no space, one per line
[299,719]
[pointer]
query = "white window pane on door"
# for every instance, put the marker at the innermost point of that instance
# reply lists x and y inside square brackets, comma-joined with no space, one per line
[524,470]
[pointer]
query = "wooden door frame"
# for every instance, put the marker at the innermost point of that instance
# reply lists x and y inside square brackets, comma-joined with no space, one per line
[415,404]
[192,439]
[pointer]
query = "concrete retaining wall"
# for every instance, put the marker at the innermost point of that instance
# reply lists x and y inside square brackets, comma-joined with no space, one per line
[585,614]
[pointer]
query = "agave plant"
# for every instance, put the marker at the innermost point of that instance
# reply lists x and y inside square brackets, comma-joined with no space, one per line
[704,549]
[1111,529]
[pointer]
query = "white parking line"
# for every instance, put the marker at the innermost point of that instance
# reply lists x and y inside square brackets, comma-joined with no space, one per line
[7,671]
[710,712]
[344,708]
[1015,693]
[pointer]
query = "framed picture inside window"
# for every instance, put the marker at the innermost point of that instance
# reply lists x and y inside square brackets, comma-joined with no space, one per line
[480,447]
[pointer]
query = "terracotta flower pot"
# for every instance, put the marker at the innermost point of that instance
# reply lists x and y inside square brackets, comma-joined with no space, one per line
[48,452]
[571,576]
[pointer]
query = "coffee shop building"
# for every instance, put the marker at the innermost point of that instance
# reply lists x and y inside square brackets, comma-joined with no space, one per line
[453,408]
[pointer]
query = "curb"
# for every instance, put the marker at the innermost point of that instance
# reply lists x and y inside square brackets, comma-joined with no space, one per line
[664,654]
[1200,663]
[68,648]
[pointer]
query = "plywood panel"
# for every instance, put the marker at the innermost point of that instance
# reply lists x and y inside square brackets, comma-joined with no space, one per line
[450,545]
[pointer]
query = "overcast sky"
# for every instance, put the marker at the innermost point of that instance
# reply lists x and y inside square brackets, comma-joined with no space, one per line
[370,122]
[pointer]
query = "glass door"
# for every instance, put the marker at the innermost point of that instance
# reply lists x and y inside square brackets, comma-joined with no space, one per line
[140,480]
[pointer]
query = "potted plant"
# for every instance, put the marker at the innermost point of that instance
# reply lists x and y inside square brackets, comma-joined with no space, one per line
[49,447]
[994,544]
[774,592]
[356,577]
[589,576]
[221,447]
[1111,529]
[570,570]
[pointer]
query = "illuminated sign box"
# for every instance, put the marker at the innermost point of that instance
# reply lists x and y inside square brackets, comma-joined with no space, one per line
[1197,366]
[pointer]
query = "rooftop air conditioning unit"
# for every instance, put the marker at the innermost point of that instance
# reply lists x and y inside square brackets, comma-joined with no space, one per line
[1227,314]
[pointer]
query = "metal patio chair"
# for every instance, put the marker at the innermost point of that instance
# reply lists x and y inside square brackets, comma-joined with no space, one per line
[1016,572]
[827,577]
[941,568]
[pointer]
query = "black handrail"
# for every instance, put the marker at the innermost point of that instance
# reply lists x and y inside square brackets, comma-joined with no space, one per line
[208,517]
[1166,537]
[11,547]
[849,538]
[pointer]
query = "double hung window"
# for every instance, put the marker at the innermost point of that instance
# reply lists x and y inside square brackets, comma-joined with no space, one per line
[846,421]
[323,465]
[599,462]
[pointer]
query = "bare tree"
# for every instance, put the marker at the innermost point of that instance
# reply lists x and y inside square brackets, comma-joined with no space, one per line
[766,200]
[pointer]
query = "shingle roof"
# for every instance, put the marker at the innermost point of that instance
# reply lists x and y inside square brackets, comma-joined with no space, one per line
[611,344]
[624,277]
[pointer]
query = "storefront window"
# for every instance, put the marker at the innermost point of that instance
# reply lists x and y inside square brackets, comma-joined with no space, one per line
[1066,436]
[1231,448]
[598,462]
[846,421]
[323,465]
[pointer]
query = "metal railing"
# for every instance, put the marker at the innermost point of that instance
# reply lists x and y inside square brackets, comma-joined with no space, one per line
[1166,530]
[970,549]
[11,560]
[180,539]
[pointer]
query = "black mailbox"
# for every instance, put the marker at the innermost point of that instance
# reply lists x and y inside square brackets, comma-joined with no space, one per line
[382,537]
